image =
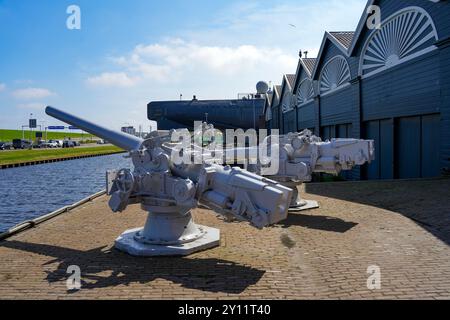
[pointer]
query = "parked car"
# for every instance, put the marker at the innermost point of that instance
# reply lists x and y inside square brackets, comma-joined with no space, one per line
[38,144]
[101,141]
[68,144]
[56,143]
[5,146]
[76,143]
[53,144]
[21,144]
[45,144]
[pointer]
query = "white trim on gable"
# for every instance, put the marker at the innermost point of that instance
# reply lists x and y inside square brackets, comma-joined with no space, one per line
[326,37]
[421,21]
[341,77]
[309,97]
[298,73]
[362,23]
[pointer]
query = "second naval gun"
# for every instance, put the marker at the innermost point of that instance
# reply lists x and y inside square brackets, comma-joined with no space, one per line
[168,191]
[301,154]
[298,156]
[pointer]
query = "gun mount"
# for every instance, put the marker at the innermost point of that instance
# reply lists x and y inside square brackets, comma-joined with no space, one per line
[169,191]
[302,154]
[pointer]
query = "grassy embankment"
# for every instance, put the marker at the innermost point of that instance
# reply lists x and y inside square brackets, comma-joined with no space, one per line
[10,135]
[21,156]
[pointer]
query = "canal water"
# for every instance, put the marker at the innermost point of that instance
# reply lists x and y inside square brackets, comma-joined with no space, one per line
[30,192]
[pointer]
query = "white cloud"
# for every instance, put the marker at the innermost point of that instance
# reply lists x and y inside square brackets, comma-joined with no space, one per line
[2,87]
[32,93]
[175,60]
[32,106]
[249,42]
[112,79]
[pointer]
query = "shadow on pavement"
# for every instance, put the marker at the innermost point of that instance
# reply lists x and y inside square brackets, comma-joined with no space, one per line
[427,202]
[318,223]
[213,275]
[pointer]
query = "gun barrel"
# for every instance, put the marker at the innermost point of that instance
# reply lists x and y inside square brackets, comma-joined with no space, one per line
[119,139]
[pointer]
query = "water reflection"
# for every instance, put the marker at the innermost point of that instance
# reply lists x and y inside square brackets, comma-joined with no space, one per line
[29,192]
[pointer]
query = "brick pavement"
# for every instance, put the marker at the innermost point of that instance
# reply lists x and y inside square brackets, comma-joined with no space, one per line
[321,254]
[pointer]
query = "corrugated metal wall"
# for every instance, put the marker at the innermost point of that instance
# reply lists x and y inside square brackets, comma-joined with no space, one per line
[306,116]
[290,121]
[445,104]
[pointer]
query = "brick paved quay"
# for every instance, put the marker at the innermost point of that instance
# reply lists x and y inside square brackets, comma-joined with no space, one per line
[402,227]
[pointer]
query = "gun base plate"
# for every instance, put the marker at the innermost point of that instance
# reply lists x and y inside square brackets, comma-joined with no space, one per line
[127,243]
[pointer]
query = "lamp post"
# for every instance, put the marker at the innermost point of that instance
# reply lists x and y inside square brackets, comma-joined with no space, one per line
[45,128]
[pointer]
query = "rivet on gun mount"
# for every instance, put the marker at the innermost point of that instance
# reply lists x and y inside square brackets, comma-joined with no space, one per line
[169,192]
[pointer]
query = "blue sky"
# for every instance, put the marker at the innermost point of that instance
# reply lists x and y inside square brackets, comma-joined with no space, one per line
[129,53]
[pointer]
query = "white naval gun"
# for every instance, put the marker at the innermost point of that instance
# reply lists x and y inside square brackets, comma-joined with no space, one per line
[298,156]
[169,191]
[302,154]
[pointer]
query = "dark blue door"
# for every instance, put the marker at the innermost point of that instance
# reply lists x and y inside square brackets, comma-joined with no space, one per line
[386,145]
[431,146]
[409,147]
[372,132]
[342,131]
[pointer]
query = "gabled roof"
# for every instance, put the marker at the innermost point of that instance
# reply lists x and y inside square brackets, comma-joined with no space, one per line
[361,25]
[308,65]
[290,80]
[344,37]
[269,96]
[276,94]
[277,90]
[328,37]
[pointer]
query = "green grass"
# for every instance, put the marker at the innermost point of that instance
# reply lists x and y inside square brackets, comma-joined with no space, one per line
[10,135]
[20,156]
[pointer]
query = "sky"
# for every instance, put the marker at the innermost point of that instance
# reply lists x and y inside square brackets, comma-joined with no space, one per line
[128,53]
